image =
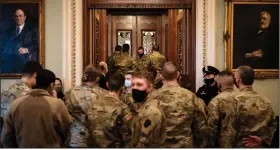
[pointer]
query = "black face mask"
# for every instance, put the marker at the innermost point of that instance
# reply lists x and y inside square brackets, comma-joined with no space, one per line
[139,96]
[141,55]
[209,81]
[58,89]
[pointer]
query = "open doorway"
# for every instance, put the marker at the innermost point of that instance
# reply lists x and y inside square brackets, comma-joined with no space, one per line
[169,24]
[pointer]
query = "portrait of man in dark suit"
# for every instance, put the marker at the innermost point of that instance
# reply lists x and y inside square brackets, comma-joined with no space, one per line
[256,36]
[18,44]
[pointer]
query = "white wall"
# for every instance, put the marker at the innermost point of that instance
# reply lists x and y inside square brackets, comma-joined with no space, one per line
[53,40]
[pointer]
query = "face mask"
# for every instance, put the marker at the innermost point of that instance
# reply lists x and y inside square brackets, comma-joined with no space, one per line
[58,89]
[139,96]
[209,81]
[127,83]
[141,55]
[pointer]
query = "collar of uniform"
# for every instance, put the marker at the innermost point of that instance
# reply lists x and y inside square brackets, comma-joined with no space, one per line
[247,89]
[228,89]
[174,85]
[39,92]
[22,83]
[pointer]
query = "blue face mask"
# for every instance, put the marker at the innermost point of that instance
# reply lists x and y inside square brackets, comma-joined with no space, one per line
[127,83]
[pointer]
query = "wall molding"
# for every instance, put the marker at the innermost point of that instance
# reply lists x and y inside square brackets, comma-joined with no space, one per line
[73,41]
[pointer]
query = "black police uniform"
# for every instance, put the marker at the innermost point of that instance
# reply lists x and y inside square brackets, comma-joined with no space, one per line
[208,92]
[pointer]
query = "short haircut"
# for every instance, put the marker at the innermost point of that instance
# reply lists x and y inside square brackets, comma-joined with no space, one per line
[44,79]
[118,48]
[155,47]
[102,65]
[129,73]
[125,48]
[169,71]
[91,73]
[116,82]
[140,48]
[145,75]
[19,9]
[246,74]
[226,78]
[31,67]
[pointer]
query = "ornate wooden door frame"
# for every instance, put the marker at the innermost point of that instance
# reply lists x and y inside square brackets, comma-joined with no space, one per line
[188,5]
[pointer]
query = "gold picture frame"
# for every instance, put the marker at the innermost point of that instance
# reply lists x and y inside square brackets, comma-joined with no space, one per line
[235,53]
[36,28]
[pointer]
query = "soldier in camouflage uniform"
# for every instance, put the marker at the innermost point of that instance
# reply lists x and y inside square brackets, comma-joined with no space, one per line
[148,121]
[186,124]
[112,59]
[124,62]
[221,113]
[142,59]
[156,58]
[109,117]
[21,88]
[255,122]
[78,100]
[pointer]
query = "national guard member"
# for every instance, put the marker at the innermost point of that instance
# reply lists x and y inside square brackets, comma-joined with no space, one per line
[21,88]
[37,120]
[156,58]
[221,113]
[256,122]
[210,89]
[109,118]
[78,100]
[112,59]
[148,121]
[185,113]
[124,62]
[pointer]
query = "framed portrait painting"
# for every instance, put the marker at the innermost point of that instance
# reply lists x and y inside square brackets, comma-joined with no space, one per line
[21,35]
[253,36]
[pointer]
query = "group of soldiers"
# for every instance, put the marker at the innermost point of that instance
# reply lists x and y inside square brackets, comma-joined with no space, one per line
[132,113]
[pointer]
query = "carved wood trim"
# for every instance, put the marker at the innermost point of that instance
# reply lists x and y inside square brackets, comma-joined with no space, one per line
[73,51]
[95,6]
[97,42]
[180,32]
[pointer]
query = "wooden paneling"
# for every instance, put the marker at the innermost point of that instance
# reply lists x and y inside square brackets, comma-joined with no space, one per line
[103,35]
[172,49]
[147,23]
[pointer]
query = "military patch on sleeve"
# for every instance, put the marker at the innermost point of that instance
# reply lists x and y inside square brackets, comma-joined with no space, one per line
[147,123]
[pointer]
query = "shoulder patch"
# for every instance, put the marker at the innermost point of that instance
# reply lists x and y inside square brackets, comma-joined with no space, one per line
[147,123]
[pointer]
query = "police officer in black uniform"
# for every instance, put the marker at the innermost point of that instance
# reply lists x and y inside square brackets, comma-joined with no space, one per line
[210,89]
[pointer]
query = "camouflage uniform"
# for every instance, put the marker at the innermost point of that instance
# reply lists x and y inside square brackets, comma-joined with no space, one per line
[149,126]
[143,62]
[221,119]
[112,61]
[185,116]
[124,63]
[78,100]
[109,120]
[254,117]
[157,60]
[248,113]
[13,92]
